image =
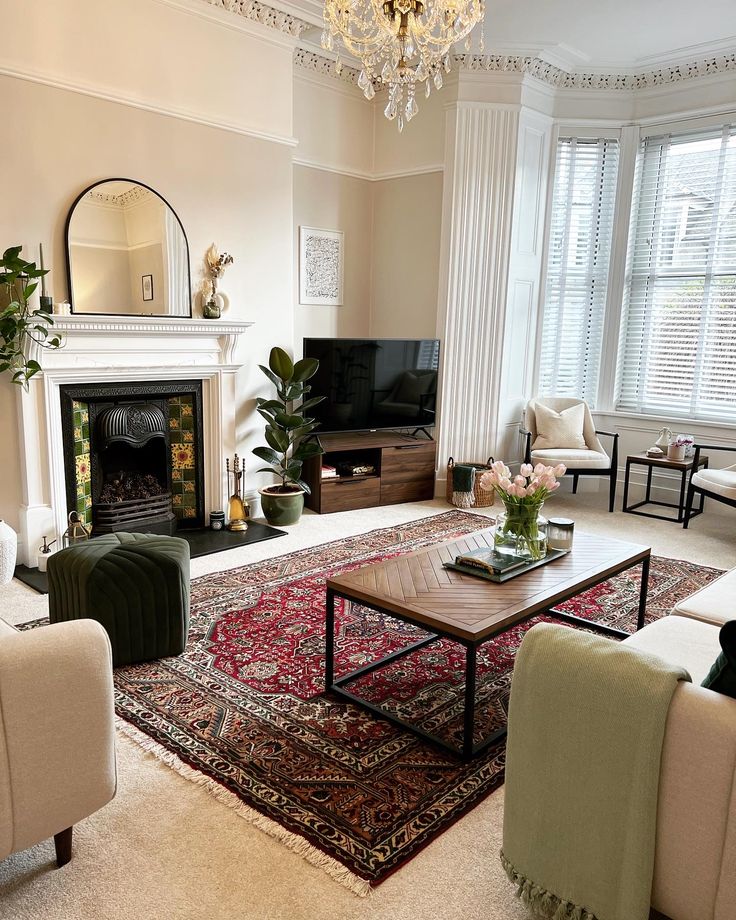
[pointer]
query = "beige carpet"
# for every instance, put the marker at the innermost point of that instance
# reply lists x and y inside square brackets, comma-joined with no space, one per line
[164,848]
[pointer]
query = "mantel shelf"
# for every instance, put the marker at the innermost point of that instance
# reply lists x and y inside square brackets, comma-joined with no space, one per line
[147,325]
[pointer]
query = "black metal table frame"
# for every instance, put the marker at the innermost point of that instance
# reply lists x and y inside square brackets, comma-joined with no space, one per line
[648,500]
[469,748]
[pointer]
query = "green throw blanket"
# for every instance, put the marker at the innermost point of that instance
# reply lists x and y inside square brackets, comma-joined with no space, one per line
[586,725]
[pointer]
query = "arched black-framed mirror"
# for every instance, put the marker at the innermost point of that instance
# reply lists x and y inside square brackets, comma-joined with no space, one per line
[126,252]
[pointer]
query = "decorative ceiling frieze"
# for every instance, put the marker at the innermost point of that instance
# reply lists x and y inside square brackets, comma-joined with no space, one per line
[555,76]
[317,63]
[266,15]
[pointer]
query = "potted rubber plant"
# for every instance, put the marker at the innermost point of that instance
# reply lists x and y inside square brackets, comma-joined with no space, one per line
[23,330]
[287,426]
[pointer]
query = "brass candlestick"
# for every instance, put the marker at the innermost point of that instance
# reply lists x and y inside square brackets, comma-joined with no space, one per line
[237,509]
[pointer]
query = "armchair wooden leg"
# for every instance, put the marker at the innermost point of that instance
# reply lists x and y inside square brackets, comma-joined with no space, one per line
[575,478]
[689,505]
[612,491]
[63,844]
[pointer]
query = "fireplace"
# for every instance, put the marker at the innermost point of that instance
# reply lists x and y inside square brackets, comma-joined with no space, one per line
[133,455]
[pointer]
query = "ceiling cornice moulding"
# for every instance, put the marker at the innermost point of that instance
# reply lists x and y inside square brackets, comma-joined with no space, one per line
[267,16]
[557,77]
[318,63]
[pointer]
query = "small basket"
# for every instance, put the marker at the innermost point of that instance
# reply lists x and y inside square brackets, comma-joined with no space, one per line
[483,499]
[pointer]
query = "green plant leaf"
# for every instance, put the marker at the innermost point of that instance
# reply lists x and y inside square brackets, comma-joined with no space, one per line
[309,403]
[267,454]
[281,364]
[270,404]
[305,369]
[306,450]
[293,469]
[271,376]
[303,485]
[267,469]
[288,421]
[277,439]
[12,253]
[29,289]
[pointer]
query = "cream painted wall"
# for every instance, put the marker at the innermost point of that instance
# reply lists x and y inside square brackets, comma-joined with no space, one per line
[407,216]
[233,189]
[334,202]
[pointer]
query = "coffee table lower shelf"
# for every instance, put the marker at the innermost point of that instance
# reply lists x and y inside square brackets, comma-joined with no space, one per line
[469,748]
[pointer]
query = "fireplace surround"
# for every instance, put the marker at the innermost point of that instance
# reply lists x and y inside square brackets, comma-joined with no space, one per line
[159,352]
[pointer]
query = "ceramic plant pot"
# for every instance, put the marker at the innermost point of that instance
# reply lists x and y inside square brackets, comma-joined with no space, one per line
[676,452]
[281,508]
[8,552]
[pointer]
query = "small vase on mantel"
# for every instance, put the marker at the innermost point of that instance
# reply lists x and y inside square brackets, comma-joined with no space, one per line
[8,552]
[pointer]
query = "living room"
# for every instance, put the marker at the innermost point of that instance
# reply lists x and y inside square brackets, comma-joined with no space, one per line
[432,291]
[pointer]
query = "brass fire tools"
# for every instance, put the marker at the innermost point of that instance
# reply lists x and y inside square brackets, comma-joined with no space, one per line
[237,509]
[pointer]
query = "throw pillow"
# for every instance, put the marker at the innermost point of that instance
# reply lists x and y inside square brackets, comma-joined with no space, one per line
[722,676]
[560,430]
[412,387]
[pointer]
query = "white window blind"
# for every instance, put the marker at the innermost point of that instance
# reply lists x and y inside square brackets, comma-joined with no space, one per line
[581,227]
[678,346]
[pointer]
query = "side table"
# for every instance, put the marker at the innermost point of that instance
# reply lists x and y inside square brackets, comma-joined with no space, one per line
[662,463]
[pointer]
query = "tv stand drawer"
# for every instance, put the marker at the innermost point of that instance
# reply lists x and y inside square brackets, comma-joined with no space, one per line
[408,463]
[347,494]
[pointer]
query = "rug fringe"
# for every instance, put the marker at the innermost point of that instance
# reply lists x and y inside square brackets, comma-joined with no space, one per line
[302,847]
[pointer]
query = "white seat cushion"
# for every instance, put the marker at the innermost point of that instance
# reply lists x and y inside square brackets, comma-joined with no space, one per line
[722,482]
[679,640]
[715,603]
[559,429]
[582,459]
[6,629]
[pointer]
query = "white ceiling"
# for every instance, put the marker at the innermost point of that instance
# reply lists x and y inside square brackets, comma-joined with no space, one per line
[598,34]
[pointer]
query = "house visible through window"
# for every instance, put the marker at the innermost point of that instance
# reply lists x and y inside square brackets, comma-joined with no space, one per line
[678,347]
[576,285]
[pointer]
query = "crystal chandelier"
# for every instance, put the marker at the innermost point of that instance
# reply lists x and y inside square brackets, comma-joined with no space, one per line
[400,43]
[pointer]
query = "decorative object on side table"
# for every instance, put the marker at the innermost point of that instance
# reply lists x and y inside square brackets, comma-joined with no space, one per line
[8,552]
[663,441]
[217,520]
[23,330]
[520,528]
[286,427]
[676,448]
[216,264]
[236,509]
[44,552]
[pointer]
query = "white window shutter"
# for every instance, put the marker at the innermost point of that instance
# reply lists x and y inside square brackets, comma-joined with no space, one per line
[678,346]
[576,285]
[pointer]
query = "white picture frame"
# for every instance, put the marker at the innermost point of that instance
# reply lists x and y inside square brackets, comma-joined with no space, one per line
[321,266]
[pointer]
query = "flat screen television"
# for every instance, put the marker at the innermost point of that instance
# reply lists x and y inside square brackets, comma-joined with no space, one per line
[374,384]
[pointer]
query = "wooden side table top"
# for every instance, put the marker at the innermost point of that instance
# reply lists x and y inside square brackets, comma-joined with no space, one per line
[685,464]
[418,588]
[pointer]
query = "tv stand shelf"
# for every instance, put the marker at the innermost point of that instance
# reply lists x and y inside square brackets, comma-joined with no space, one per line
[405,471]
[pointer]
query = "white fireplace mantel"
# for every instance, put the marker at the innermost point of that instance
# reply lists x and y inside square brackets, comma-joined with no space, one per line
[122,349]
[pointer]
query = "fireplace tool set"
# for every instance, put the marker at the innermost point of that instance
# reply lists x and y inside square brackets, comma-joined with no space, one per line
[237,509]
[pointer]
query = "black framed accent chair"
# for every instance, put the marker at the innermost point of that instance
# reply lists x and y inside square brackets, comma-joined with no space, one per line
[719,485]
[561,430]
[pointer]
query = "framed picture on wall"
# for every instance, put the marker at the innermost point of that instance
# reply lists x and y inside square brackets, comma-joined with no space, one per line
[147,284]
[321,266]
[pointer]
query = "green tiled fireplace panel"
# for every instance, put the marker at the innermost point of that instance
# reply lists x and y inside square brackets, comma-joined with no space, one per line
[183,460]
[83,472]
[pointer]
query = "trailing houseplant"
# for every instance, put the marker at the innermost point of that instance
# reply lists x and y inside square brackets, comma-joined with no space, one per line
[22,329]
[287,426]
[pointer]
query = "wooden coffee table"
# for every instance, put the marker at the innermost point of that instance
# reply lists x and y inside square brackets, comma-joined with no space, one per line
[417,589]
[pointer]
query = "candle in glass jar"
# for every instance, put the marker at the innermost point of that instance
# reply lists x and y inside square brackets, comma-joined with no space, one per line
[559,533]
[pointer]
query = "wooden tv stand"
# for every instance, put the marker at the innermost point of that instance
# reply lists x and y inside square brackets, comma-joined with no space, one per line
[404,471]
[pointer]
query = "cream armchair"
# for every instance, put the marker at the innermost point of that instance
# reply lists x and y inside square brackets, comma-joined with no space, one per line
[587,458]
[719,485]
[57,738]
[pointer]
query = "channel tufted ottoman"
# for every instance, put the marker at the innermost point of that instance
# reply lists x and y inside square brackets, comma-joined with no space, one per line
[136,585]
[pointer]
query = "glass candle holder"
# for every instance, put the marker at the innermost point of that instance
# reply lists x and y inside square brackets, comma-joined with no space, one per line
[560,533]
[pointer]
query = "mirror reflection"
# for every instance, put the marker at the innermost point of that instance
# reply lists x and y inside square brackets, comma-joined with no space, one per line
[127,253]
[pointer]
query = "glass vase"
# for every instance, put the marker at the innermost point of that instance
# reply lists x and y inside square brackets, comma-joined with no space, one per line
[521,530]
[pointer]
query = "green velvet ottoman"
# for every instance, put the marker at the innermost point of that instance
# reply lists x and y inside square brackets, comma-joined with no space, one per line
[136,585]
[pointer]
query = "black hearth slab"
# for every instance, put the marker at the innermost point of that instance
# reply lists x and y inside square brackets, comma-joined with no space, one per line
[205,541]
[201,543]
[33,578]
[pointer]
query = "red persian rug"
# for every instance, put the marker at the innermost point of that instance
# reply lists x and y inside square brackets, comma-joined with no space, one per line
[243,709]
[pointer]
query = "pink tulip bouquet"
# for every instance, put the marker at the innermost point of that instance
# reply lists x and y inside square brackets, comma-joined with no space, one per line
[518,531]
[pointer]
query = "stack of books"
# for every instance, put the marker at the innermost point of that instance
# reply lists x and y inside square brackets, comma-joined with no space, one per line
[489,563]
[328,472]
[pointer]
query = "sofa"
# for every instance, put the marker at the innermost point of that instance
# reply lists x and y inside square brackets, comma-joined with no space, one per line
[57,738]
[695,859]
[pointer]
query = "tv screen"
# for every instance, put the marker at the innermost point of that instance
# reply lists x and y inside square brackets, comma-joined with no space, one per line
[374,383]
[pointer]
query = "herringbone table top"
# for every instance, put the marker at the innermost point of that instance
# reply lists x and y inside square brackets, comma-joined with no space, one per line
[418,588]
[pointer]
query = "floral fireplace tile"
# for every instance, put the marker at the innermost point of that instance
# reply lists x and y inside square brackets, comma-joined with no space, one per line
[183,459]
[83,498]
